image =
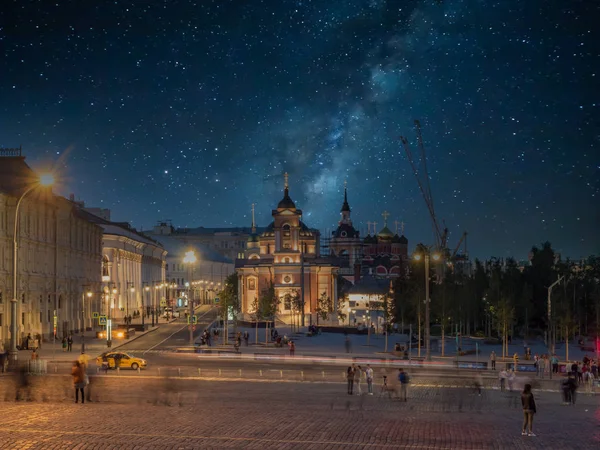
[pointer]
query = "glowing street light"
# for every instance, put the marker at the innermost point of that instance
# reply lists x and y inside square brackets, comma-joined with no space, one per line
[45,180]
[190,259]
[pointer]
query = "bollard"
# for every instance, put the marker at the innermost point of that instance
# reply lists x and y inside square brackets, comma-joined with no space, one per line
[302,375]
[199,372]
[118,371]
[260,372]
[240,373]
[55,368]
[219,372]
[139,370]
[281,373]
[323,374]
[179,372]
[343,375]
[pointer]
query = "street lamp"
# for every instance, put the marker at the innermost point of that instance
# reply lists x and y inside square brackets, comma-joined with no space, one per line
[425,253]
[83,295]
[44,180]
[190,259]
[130,288]
[147,289]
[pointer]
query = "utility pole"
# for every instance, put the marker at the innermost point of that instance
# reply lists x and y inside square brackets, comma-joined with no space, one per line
[551,330]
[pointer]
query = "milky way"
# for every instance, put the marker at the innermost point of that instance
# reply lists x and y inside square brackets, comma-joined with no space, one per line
[193,111]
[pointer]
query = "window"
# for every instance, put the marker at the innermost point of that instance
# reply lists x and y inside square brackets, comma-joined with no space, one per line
[41,316]
[49,298]
[0,296]
[252,284]
[167,267]
[286,260]
[1,319]
[59,301]
[22,318]
[22,298]
[287,302]
[49,316]
[41,299]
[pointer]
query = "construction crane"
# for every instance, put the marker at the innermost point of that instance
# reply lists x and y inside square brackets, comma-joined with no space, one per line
[454,253]
[422,175]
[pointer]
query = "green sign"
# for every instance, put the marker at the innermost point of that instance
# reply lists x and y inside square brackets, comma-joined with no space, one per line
[194,319]
[95,315]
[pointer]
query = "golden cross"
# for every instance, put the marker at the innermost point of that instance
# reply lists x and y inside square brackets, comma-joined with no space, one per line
[385,215]
[285,180]
[396,223]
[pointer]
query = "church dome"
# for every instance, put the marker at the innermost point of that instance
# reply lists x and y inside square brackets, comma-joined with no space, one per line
[253,238]
[403,240]
[286,202]
[385,233]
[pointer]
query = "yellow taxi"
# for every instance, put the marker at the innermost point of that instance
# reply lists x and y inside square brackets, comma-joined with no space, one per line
[125,360]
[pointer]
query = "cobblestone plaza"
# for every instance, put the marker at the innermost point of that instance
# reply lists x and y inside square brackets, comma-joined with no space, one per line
[298,416]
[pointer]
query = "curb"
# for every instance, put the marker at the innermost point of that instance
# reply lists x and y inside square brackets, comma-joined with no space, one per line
[135,337]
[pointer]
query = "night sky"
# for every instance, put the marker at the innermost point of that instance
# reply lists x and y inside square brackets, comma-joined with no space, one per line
[191,111]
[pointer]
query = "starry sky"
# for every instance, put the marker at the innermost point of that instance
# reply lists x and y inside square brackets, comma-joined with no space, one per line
[193,110]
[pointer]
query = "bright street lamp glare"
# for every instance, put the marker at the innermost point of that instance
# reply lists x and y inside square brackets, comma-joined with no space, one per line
[190,257]
[436,256]
[47,180]
[417,257]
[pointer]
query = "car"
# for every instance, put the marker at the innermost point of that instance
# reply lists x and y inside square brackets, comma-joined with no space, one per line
[126,361]
[170,313]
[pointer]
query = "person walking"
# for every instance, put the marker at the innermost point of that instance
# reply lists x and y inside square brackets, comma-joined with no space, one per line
[70,343]
[493,359]
[64,343]
[502,377]
[358,374]
[350,378]
[529,410]
[369,375]
[404,380]
[292,348]
[78,373]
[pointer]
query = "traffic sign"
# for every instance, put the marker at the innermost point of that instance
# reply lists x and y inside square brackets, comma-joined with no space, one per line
[95,315]
[102,320]
[163,302]
[216,300]
[194,319]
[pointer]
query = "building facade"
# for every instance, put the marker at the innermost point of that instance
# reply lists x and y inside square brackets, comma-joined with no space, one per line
[59,257]
[133,270]
[227,242]
[286,255]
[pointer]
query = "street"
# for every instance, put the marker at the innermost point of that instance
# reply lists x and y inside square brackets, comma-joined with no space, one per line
[299,416]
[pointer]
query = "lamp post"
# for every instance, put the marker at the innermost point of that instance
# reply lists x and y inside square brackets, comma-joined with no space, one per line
[44,180]
[130,288]
[551,329]
[190,259]
[147,290]
[425,254]
[83,295]
[109,320]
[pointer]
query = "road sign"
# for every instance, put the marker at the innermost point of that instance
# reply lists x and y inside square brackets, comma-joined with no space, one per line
[194,319]
[102,320]
[216,300]
[163,302]
[95,315]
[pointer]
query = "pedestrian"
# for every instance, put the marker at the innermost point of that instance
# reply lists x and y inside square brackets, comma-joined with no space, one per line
[292,348]
[64,343]
[78,374]
[404,380]
[369,375]
[3,359]
[28,342]
[529,410]
[493,359]
[350,378]
[70,343]
[502,377]
[357,378]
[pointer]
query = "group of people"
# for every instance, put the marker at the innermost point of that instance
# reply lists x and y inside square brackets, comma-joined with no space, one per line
[356,375]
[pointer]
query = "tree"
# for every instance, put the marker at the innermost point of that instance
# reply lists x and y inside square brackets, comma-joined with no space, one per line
[265,307]
[229,302]
[324,307]
[297,305]
[340,312]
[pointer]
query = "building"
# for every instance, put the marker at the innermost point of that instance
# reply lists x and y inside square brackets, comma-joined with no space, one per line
[287,256]
[207,276]
[366,302]
[59,257]
[383,254]
[133,268]
[228,242]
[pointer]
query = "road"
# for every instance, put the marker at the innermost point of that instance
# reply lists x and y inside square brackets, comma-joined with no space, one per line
[297,416]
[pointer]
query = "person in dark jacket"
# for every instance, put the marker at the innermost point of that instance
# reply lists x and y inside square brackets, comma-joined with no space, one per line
[529,410]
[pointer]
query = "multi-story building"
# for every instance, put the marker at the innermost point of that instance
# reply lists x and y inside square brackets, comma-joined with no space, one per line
[228,242]
[287,256]
[59,257]
[133,269]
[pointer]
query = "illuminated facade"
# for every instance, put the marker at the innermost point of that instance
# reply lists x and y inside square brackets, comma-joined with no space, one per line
[286,254]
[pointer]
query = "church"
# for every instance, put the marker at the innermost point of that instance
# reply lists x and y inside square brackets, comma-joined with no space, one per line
[286,255]
[383,254]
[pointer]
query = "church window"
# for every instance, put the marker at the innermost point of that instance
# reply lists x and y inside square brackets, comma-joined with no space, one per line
[287,279]
[344,234]
[252,284]
[286,260]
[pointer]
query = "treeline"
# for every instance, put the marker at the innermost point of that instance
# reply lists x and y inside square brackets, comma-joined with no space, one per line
[499,299]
